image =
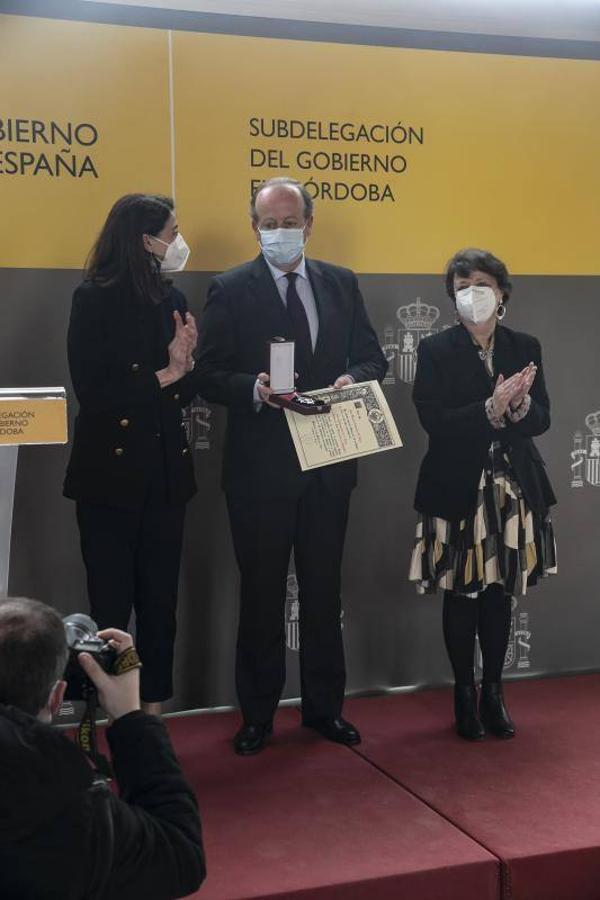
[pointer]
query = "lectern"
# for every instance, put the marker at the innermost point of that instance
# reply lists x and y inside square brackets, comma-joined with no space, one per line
[27,416]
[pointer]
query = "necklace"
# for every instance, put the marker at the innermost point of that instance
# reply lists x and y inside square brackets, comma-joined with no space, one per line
[487,356]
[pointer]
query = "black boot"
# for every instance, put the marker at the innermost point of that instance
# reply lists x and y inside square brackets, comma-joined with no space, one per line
[468,725]
[493,712]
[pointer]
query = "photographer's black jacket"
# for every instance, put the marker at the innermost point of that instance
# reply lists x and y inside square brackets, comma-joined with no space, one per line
[55,829]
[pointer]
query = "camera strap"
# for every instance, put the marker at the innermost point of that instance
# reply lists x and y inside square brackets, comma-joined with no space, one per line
[87,739]
[126,661]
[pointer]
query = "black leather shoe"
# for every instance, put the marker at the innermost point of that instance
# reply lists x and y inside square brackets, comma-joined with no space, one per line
[493,712]
[468,723]
[251,739]
[337,730]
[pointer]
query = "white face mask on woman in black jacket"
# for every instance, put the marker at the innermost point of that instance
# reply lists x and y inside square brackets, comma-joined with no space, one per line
[176,254]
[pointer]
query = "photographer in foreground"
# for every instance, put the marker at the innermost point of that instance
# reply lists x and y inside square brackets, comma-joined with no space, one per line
[62,836]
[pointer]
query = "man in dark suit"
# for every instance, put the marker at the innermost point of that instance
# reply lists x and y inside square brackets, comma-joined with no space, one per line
[274,507]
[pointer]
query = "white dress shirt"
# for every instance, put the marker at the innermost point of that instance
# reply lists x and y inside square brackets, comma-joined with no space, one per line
[304,291]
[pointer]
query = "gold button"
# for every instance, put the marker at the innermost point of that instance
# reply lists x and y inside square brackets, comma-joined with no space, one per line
[124,423]
[185,450]
[135,367]
[119,451]
[175,396]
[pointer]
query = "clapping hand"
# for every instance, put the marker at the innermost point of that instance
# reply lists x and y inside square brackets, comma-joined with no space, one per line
[527,378]
[183,344]
[512,391]
[190,324]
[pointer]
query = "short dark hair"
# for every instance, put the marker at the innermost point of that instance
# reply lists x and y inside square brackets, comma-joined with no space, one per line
[33,653]
[119,257]
[282,182]
[470,260]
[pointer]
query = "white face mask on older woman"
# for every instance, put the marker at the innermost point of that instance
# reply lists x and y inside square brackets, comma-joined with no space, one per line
[476,303]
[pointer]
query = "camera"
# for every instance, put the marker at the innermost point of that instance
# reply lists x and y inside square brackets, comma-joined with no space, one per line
[81,636]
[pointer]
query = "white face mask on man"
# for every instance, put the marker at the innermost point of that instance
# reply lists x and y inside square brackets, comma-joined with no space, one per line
[476,303]
[281,246]
[176,255]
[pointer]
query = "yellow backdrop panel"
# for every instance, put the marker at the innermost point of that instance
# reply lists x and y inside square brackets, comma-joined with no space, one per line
[503,150]
[112,78]
[509,158]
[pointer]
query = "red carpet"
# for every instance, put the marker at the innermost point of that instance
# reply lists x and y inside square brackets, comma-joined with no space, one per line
[534,802]
[308,819]
[414,813]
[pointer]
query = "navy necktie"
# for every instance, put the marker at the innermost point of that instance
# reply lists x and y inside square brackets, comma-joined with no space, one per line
[300,327]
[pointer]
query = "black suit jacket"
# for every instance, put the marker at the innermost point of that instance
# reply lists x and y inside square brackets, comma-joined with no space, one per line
[243,312]
[450,390]
[115,345]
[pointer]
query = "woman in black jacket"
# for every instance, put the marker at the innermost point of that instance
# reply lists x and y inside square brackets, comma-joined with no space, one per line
[484,532]
[130,347]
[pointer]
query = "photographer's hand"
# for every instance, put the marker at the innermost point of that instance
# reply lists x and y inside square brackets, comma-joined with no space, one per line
[117,694]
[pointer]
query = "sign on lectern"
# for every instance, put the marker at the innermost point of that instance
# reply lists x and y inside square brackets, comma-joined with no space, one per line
[33,416]
[27,416]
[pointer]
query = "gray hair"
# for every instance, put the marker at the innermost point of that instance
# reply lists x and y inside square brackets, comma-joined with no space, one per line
[282,182]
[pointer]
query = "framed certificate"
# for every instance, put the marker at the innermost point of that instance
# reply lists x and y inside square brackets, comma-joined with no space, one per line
[359,423]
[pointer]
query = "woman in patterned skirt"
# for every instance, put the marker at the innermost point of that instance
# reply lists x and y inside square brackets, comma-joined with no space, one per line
[484,532]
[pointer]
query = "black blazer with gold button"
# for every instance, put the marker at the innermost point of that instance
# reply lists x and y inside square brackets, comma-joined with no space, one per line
[115,345]
[450,390]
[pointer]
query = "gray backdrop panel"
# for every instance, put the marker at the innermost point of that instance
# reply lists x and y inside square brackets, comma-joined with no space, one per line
[393,637]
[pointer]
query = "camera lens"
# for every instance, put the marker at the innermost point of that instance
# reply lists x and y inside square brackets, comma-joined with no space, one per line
[79,627]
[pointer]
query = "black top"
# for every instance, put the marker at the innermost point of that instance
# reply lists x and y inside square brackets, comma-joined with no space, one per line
[450,390]
[243,312]
[127,424]
[55,833]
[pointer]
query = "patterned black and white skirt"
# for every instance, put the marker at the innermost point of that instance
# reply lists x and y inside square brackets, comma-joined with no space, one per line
[500,542]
